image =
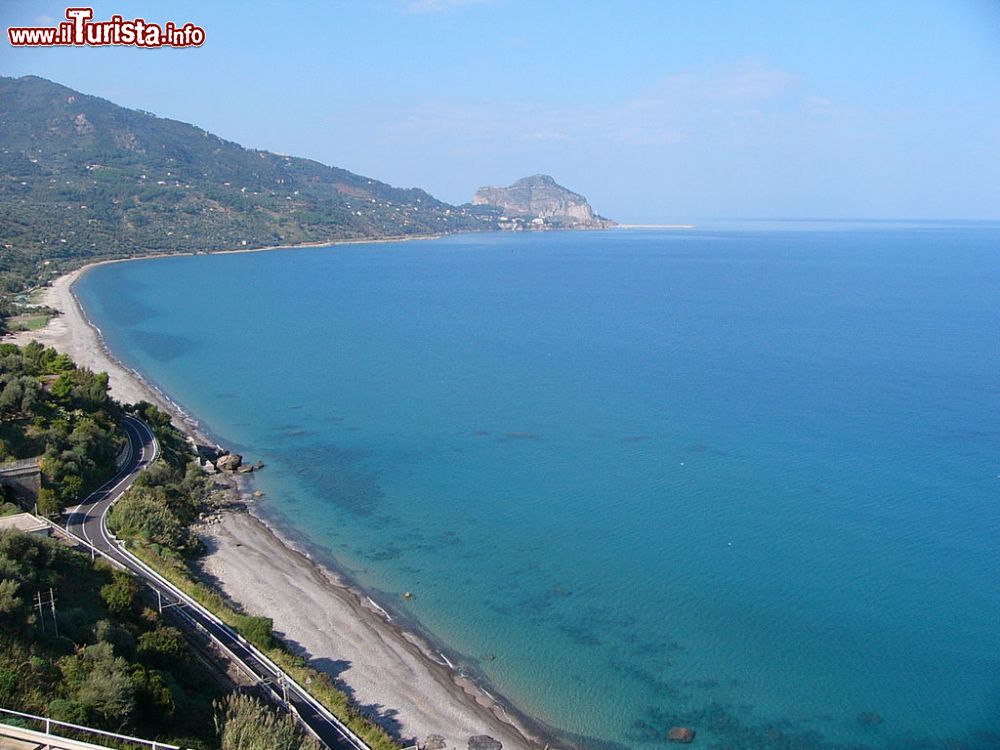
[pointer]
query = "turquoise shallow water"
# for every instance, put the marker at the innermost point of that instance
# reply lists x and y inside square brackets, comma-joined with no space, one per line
[743,480]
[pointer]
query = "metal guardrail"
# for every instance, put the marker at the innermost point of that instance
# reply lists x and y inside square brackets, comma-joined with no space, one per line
[124,455]
[49,723]
[155,580]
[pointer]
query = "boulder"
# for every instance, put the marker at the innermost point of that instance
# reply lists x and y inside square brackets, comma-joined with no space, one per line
[680,734]
[229,462]
[245,469]
[484,742]
[433,742]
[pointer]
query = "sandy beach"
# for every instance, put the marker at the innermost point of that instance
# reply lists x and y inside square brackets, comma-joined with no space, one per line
[392,673]
[71,332]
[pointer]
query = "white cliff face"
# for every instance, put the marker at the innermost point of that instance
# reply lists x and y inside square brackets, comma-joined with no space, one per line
[540,197]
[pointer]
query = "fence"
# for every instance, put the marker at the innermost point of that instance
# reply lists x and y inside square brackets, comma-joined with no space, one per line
[67,742]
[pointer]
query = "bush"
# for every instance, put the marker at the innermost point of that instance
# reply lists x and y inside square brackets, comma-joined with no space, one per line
[106,631]
[246,724]
[102,683]
[164,647]
[143,512]
[71,711]
[258,630]
[48,504]
[120,594]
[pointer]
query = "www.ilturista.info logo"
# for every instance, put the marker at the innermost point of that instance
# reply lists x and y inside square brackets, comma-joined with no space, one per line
[79,31]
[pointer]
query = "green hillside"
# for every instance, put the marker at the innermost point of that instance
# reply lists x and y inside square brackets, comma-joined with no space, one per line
[83,178]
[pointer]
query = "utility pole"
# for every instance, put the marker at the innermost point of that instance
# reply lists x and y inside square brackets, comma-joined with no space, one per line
[41,604]
[41,613]
[52,602]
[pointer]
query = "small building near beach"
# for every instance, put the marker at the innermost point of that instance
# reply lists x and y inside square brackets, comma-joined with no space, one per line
[25,522]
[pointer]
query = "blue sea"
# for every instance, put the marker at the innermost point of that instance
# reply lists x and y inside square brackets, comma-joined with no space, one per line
[744,479]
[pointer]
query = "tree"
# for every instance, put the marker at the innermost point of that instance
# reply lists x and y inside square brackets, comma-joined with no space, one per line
[102,684]
[10,602]
[143,512]
[48,504]
[154,696]
[246,724]
[108,631]
[164,647]
[109,693]
[120,594]
[71,489]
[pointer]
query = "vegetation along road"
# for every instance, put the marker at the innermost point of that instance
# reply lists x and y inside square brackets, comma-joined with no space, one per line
[88,522]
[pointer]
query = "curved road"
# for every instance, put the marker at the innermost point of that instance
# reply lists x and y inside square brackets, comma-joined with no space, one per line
[88,522]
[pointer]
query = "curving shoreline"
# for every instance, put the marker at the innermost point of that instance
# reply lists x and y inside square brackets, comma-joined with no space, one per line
[394,671]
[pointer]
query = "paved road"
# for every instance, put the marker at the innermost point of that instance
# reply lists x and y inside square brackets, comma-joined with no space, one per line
[88,522]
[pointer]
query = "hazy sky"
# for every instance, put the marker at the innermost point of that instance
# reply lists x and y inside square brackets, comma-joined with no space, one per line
[656,111]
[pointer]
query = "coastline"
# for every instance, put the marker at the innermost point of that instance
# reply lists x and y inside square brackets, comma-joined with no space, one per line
[394,673]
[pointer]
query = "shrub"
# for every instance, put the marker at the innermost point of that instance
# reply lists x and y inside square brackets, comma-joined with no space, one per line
[120,594]
[246,724]
[164,647]
[258,630]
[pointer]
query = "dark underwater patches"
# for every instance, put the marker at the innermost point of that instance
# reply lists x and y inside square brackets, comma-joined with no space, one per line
[700,684]
[655,684]
[705,448]
[480,433]
[985,738]
[537,605]
[301,433]
[447,538]
[298,432]
[124,305]
[724,723]
[521,436]
[580,635]
[636,438]
[501,610]
[649,651]
[163,347]
[338,476]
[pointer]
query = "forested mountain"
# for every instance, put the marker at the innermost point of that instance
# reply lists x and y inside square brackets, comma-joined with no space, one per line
[81,178]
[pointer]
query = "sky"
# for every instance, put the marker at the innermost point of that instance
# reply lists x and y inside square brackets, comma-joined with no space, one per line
[659,111]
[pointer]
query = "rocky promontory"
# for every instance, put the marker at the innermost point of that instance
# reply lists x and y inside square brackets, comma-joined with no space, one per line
[539,202]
